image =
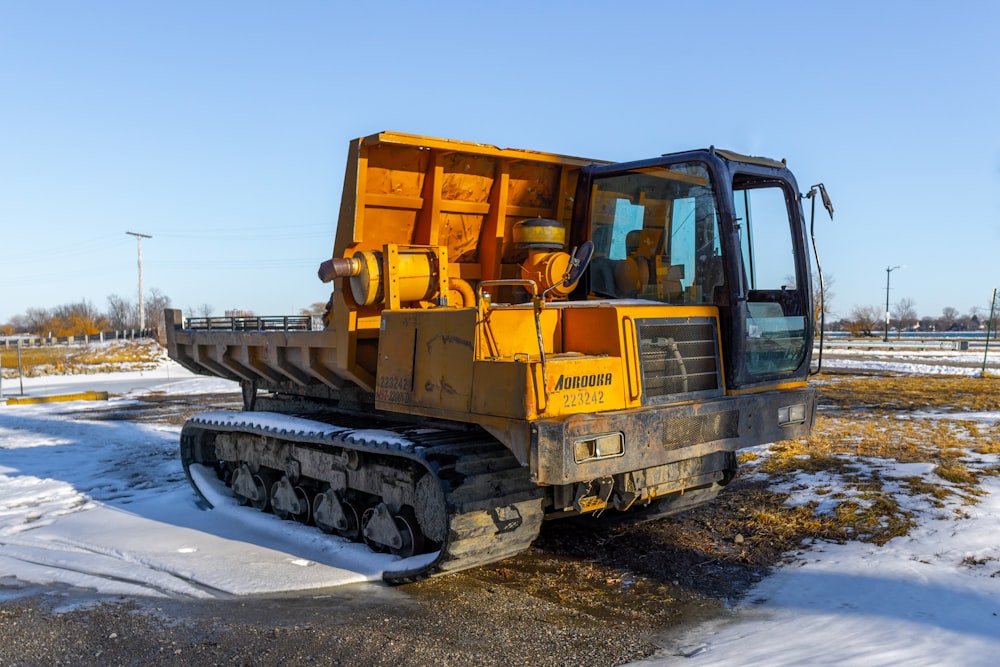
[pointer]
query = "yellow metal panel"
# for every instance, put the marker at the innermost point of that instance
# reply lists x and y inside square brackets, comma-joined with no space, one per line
[403,188]
[645,311]
[510,331]
[394,384]
[500,389]
[769,387]
[345,323]
[425,359]
[592,330]
[394,201]
[630,351]
[580,384]
[610,329]
[491,242]
[391,275]
[443,354]
[477,148]
[430,215]
[463,197]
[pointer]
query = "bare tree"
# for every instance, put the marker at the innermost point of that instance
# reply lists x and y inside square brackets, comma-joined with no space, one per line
[204,310]
[119,313]
[71,319]
[905,313]
[823,299]
[156,303]
[317,308]
[948,317]
[36,320]
[20,324]
[82,318]
[864,320]
[994,310]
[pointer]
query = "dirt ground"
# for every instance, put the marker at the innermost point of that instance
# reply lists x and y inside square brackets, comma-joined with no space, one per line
[579,596]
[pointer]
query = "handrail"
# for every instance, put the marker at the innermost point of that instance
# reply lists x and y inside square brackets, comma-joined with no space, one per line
[251,323]
[537,305]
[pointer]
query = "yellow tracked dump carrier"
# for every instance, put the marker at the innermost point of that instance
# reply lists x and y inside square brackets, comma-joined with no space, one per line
[516,336]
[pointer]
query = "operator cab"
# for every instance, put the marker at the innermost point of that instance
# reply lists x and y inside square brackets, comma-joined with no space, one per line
[708,228]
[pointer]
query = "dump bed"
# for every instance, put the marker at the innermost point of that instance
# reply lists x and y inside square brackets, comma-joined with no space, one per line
[466,197]
[401,192]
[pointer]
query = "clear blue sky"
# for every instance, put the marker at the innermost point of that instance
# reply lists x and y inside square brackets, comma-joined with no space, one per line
[221,128]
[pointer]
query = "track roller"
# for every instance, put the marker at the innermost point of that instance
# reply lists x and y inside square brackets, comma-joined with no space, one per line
[384,531]
[251,488]
[332,515]
[409,531]
[289,501]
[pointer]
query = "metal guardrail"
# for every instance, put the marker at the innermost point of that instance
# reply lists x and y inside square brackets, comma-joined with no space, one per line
[10,342]
[251,323]
[923,345]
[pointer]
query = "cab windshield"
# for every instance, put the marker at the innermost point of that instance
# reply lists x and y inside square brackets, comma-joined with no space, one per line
[656,235]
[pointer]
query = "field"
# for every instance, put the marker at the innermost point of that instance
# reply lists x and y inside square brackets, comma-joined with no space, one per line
[830,487]
[74,359]
[893,454]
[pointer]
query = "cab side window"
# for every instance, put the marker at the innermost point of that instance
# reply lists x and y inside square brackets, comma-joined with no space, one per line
[775,308]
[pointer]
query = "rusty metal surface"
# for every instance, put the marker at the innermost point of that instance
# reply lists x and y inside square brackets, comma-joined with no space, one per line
[664,434]
[267,359]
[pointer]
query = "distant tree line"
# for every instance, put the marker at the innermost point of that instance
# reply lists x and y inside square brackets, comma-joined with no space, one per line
[870,320]
[83,318]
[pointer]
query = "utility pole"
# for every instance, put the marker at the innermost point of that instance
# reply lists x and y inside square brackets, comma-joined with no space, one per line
[989,327]
[142,306]
[887,272]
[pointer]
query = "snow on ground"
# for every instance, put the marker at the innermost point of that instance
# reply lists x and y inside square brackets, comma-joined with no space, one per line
[103,505]
[169,378]
[931,597]
[910,361]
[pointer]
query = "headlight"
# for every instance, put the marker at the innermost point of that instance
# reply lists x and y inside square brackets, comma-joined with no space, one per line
[597,447]
[792,414]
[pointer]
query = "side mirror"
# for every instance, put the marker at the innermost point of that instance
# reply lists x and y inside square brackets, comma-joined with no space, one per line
[578,264]
[827,204]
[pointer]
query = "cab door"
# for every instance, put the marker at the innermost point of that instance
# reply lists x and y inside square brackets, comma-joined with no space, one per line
[775,309]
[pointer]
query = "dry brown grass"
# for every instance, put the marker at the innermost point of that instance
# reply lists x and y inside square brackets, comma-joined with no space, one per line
[869,422]
[83,358]
[910,393]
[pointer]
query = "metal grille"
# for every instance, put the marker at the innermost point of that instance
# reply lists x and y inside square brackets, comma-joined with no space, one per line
[700,428]
[679,359]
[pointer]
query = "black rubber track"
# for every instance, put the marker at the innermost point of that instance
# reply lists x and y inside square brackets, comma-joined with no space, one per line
[492,508]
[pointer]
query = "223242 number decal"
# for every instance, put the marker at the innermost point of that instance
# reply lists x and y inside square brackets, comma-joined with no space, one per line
[578,399]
